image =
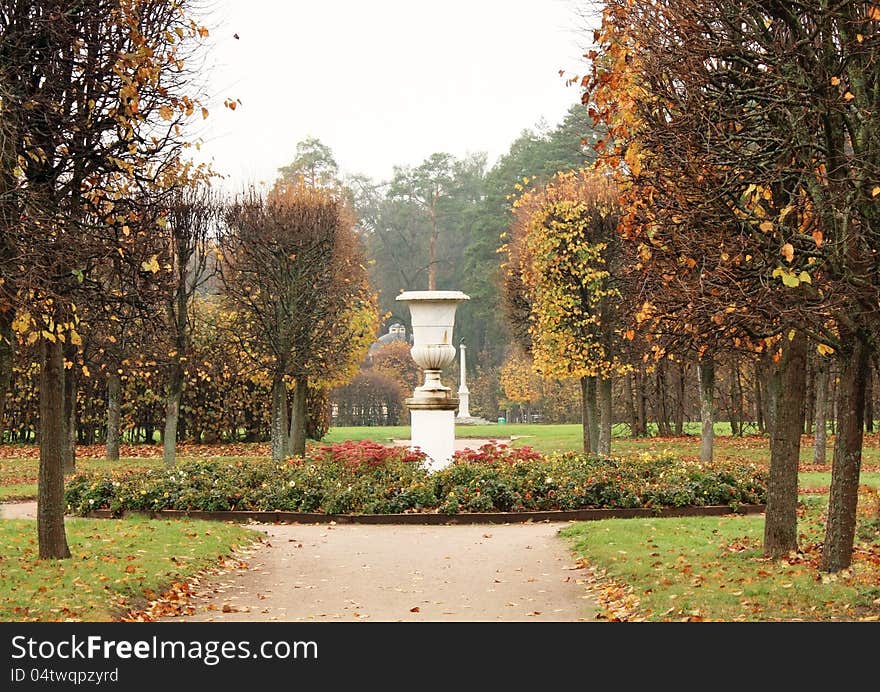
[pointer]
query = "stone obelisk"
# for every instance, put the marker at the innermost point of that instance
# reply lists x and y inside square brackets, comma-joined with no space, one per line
[463,392]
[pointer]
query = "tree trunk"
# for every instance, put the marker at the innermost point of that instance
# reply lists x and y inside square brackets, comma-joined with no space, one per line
[279,418]
[114,393]
[432,251]
[679,400]
[7,359]
[298,413]
[606,413]
[663,428]
[172,414]
[585,418]
[843,500]
[810,396]
[589,415]
[833,377]
[738,399]
[641,403]
[780,524]
[50,491]
[369,415]
[759,401]
[70,388]
[821,435]
[869,401]
[630,406]
[706,375]
[774,392]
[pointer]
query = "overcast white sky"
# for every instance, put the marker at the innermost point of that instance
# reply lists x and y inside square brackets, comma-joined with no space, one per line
[384,82]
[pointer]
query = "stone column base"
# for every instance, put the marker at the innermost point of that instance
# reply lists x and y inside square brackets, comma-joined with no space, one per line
[464,410]
[433,432]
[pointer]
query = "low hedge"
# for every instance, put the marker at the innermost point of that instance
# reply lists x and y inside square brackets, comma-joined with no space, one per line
[367,478]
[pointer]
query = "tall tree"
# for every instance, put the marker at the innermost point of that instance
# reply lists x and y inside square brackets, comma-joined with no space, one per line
[426,186]
[438,199]
[97,94]
[565,252]
[314,165]
[293,271]
[119,322]
[191,219]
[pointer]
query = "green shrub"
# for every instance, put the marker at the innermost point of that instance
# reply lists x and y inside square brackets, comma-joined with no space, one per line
[367,478]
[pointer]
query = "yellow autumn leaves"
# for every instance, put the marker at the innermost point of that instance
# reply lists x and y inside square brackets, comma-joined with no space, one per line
[560,245]
[31,328]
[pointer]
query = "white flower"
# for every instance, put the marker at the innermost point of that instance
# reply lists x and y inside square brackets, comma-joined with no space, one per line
[548,479]
[291,483]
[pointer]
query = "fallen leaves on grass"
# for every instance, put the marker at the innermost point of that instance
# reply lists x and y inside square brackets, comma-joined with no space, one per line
[177,600]
[617,600]
[740,545]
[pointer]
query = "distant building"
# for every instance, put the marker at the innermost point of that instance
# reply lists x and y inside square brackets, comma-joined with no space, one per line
[396,332]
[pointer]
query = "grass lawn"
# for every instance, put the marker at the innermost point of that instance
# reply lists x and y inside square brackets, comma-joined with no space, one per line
[814,479]
[710,568]
[19,464]
[550,438]
[18,491]
[116,565]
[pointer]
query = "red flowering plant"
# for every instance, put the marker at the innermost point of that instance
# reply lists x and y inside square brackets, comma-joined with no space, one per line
[364,454]
[494,453]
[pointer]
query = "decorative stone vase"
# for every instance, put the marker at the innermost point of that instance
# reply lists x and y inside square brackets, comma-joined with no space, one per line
[433,319]
[432,406]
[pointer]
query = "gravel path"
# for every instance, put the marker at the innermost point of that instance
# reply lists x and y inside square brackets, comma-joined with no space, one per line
[510,572]
[18,510]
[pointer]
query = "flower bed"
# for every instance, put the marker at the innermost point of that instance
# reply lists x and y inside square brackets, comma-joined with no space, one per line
[368,478]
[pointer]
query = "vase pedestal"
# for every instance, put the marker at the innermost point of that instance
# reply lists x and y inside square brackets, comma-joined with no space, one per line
[433,430]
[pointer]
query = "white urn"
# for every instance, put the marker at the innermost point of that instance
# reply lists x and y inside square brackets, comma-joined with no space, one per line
[433,319]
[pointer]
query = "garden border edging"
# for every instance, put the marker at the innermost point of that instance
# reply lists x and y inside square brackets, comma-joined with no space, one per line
[428,518]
